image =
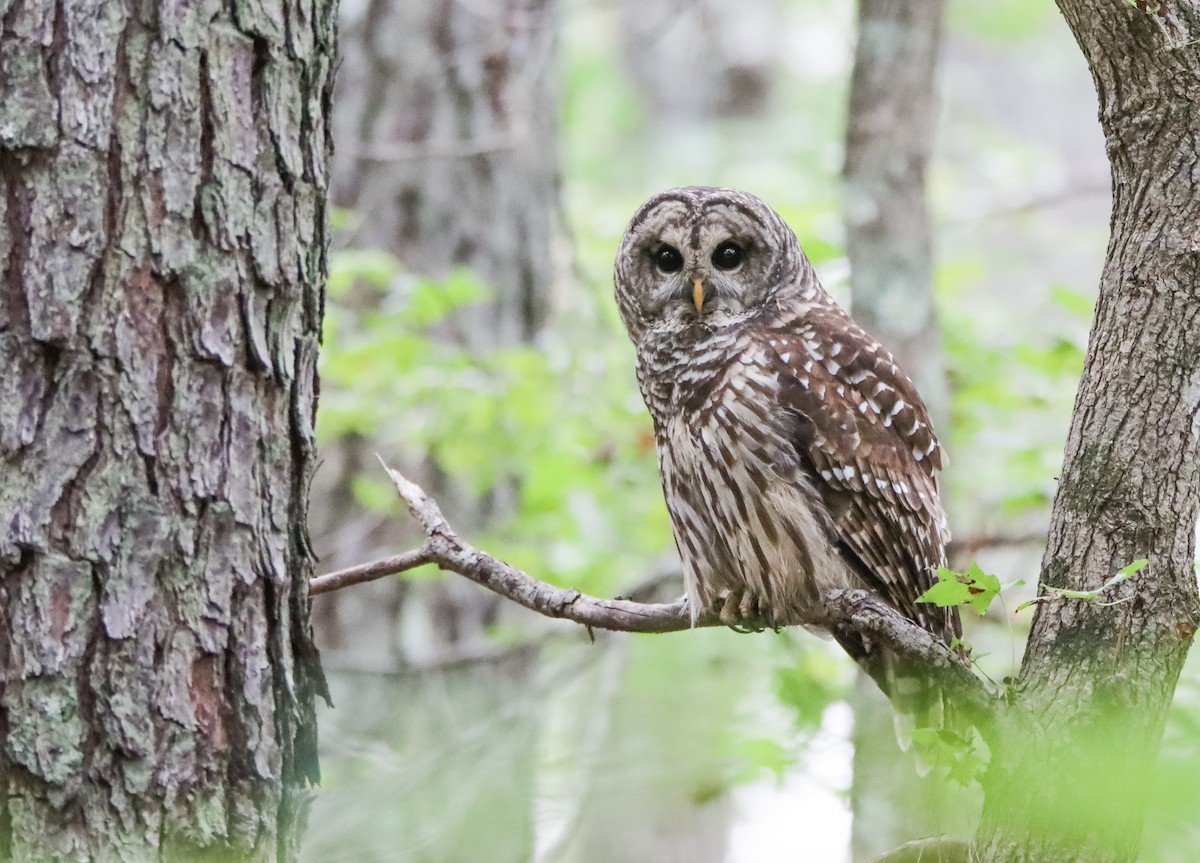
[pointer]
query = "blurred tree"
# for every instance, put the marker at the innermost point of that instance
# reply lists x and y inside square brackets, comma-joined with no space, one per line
[700,61]
[890,127]
[446,132]
[445,120]
[162,238]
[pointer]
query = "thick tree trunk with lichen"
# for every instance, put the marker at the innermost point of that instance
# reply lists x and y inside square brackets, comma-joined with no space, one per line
[1079,734]
[162,248]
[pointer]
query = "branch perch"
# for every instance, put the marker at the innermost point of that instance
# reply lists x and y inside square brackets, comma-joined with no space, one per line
[859,609]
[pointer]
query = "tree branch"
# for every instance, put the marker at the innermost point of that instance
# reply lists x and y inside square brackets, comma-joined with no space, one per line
[859,609]
[369,571]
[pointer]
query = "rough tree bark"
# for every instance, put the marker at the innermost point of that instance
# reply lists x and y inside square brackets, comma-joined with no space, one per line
[163,173]
[1079,732]
[890,129]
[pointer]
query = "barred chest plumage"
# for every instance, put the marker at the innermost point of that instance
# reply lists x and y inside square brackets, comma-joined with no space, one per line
[744,510]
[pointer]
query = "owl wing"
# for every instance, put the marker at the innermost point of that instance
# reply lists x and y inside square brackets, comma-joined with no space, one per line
[863,432]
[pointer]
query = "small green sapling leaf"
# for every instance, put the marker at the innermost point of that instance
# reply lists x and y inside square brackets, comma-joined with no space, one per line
[1123,574]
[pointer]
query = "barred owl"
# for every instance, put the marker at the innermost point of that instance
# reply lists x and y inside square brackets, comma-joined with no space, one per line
[795,456]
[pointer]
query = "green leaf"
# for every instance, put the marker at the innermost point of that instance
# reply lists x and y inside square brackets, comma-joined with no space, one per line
[973,587]
[959,758]
[948,591]
[1074,302]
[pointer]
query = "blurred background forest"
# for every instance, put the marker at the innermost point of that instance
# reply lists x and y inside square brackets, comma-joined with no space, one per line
[488,156]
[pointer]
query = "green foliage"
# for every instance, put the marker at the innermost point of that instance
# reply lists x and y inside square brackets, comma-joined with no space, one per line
[1013,386]
[961,761]
[560,429]
[973,587]
[809,680]
[1001,21]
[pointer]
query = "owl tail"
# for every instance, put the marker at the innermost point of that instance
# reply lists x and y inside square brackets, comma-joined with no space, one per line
[917,701]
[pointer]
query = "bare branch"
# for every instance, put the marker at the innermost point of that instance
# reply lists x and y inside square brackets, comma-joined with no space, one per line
[866,612]
[858,609]
[376,569]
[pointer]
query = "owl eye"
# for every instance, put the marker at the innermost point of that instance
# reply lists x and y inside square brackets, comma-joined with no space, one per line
[668,259]
[727,255]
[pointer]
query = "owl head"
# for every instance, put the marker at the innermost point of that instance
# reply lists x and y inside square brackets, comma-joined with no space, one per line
[697,259]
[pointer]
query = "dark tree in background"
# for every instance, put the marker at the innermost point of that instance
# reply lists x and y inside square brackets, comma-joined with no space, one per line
[700,61]
[890,127]
[446,123]
[163,174]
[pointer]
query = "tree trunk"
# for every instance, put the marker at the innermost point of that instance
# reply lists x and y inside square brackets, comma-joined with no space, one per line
[447,140]
[889,137]
[701,60]
[162,243]
[447,125]
[1080,732]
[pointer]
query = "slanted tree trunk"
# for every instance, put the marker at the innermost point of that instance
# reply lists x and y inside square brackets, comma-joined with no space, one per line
[1078,737]
[162,248]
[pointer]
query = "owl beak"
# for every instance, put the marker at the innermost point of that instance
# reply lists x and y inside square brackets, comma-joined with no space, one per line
[698,292]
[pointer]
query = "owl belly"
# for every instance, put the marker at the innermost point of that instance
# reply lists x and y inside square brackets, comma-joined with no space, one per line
[741,524]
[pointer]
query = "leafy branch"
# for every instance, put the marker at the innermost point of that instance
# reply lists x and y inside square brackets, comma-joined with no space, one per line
[977,588]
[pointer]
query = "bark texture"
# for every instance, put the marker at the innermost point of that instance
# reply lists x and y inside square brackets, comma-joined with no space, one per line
[163,173]
[1081,729]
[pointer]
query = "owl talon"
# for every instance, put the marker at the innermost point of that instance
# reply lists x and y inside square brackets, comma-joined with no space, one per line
[742,611]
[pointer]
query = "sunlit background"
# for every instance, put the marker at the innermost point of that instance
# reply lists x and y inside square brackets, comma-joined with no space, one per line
[489,155]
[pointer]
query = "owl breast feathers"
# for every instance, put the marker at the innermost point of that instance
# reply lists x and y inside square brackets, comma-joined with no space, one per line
[795,455]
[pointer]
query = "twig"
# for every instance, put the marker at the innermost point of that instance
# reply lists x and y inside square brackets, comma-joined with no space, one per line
[385,152]
[369,571]
[858,609]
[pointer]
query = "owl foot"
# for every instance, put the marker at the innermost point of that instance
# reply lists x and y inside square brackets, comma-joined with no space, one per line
[744,610]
